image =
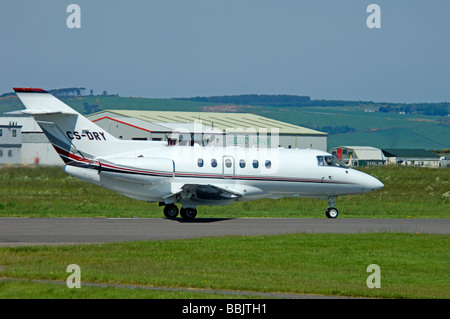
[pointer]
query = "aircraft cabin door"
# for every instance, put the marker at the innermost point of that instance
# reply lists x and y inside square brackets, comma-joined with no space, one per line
[228,166]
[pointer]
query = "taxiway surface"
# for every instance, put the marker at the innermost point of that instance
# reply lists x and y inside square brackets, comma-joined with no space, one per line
[40,231]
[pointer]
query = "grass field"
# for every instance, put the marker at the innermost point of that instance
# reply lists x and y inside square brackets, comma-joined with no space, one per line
[412,265]
[12,103]
[382,130]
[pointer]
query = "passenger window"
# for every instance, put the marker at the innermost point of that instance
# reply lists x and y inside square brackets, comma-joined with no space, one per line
[200,162]
[228,163]
[242,163]
[255,164]
[268,164]
[214,162]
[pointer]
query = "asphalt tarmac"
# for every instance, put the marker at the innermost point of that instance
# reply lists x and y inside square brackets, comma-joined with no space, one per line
[41,231]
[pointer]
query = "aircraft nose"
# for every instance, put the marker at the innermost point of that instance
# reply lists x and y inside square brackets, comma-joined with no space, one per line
[372,184]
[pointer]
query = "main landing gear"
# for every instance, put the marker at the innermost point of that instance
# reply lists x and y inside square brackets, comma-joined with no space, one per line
[331,211]
[171,212]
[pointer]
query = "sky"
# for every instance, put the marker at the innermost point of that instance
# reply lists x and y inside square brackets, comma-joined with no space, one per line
[177,48]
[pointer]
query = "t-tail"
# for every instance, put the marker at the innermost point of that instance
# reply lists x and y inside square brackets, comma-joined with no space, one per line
[76,139]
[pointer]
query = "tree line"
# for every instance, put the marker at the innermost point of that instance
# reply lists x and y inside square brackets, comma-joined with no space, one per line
[435,109]
[67,92]
[254,99]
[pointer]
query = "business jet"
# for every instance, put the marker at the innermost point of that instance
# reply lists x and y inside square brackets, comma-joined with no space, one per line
[188,175]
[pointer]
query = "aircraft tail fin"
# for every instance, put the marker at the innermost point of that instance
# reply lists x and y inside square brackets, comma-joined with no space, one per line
[74,137]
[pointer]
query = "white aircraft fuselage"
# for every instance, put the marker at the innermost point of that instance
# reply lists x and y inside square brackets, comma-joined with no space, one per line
[189,175]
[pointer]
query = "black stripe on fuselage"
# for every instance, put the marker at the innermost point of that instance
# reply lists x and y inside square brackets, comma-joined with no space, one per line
[122,170]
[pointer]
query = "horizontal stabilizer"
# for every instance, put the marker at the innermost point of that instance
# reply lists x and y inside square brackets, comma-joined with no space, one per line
[40,102]
[37,112]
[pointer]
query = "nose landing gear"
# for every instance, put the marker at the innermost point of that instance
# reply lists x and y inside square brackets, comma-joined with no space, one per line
[331,211]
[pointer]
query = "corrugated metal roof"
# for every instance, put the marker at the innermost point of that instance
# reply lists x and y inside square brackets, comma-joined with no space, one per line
[183,127]
[220,121]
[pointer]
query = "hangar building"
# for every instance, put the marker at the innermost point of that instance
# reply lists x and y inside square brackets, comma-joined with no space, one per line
[367,155]
[412,157]
[208,128]
[23,142]
[359,155]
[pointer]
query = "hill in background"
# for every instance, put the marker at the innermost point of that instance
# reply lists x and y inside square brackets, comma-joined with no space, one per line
[384,125]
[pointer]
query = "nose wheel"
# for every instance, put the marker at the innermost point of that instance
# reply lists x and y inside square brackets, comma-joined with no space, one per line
[331,211]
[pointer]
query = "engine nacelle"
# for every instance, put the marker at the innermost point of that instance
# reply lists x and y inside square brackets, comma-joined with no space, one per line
[85,174]
[145,170]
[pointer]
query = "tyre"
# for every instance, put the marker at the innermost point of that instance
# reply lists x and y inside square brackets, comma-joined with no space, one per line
[332,212]
[188,213]
[171,211]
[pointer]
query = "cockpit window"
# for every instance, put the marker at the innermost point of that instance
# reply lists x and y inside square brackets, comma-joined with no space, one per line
[320,161]
[330,161]
[339,163]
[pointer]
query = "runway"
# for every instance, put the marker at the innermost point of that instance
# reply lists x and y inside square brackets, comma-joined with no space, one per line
[41,231]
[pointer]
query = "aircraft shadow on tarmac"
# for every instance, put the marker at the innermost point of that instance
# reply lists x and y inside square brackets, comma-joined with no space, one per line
[199,220]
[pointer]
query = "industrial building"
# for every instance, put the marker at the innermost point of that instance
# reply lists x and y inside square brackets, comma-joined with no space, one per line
[366,156]
[10,142]
[208,128]
[412,157]
[23,142]
[359,155]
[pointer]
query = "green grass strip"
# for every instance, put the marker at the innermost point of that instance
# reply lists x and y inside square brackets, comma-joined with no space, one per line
[411,265]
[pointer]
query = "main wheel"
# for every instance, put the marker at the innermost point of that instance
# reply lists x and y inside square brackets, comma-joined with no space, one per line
[171,211]
[332,212]
[188,213]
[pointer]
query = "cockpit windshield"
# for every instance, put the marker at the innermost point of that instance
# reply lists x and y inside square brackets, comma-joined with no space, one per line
[330,161]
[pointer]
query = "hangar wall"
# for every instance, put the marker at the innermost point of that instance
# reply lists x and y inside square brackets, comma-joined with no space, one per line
[259,132]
